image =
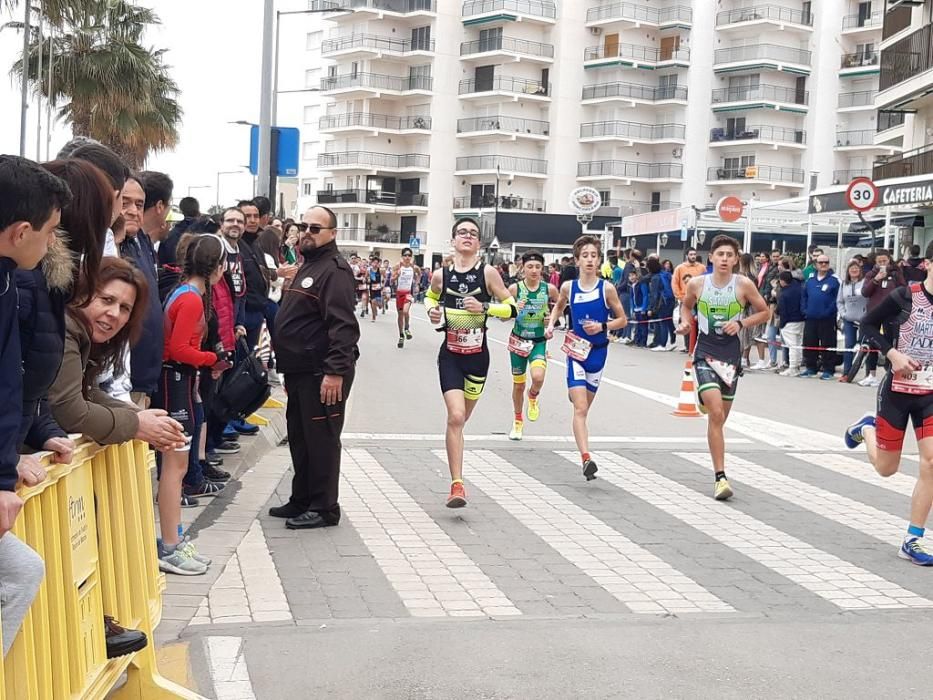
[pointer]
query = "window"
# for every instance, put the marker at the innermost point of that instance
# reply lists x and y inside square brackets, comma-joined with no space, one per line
[421,39]
[605,196]
[490,39]
[313,41]
[309,150]
[735,127]
[312,113]
[306,188]
[313,78]
[655,201]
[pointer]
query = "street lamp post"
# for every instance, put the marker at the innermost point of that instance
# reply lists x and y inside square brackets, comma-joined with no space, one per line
[217,189]
[196,187]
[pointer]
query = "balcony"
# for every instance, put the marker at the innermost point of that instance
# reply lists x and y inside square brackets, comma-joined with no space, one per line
[895,21]
[632,132]
[497,128]
[376,9]
[783,99]
[620,208]
[375,47]
[757,57]
[757,175]
[508,47]
[372,200]
[844,177]
[858,24]
[507,202]
[635,56]
[504,86]
[375,85]
[860,63]
[918,161]
[889,120]
[634,16]
[744,19]
[503,165]
[369,160]
[373,124]
[857,101]
[633,93]
[905,65]
[774,136]
[629,171]
[476,12]
[383,236]
[858,140]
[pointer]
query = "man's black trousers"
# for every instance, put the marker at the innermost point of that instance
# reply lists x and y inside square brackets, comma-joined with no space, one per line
[820,332]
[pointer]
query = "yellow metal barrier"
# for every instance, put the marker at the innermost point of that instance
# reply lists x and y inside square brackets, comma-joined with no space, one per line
[92,523]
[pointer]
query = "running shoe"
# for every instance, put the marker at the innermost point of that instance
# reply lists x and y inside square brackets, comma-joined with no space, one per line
[187,501]
[914,551]
[853,436]
[659,348]
[807,373]
[407,334]
[228,447]
[723,491]
[401,341]
[533,409]
[516,433]
[181,563]
[188,546]
[870,381]
[230,434]
[214,459]
[214,473]
[789,372]
[205,488]
[590,469]
[826,376]
[457,497]
[244,428]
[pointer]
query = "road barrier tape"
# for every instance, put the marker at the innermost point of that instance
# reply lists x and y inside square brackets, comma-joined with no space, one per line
[779,344]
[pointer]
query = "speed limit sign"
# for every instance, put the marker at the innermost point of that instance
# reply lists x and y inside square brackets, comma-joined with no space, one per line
[862,194]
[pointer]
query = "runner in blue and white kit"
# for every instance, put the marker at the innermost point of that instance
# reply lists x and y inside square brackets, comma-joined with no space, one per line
[591,299]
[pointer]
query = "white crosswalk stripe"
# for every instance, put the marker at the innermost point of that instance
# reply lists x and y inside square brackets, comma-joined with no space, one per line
[632,574]
[833,579]
[430,573]
[855,469]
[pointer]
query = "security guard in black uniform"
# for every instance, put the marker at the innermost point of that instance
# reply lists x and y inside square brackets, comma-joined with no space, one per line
[315,339]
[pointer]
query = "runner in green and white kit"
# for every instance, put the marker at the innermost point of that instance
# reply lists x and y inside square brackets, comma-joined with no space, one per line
[527,344]
[720,298]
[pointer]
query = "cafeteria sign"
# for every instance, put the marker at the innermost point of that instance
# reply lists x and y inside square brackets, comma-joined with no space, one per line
[904,194]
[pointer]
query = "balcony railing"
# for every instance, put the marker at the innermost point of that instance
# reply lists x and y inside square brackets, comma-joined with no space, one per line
[859,59]
[843,177]
[861,98]
[861,137]
[896,20]
[632,130]
[377,81]
[505,84]
[634,91]
[623,207]
[757,172]
[507,43]
[373,121]
[370,235]
[380,197]
[509,202]
[509,164]
[532,8]
[516,125]
[400,6]
[768,93]
[639,13]
[636,52]
[373,160]
[889,120]
[918,161]
[774,13]
[630,170]
[755,52]
[778,134]
[907,57]
[857,21]
[376,43]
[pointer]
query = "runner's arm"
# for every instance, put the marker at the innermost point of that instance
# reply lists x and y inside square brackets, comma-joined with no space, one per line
[432,297]
[553,293]
[619,320]
[886,311]
[563,298]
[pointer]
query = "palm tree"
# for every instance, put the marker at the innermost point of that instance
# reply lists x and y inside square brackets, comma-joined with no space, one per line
[105,82]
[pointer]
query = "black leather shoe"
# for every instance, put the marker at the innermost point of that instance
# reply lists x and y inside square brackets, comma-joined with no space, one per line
[309,521]
[121,641]
[289,510]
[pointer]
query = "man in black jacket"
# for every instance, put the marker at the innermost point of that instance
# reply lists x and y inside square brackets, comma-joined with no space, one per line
[316,335]
[256,272]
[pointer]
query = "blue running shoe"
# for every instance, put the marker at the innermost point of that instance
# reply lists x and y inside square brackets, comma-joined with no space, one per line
[807,373]
[826,376]
[230,434]
[244,428]
[853,435]
[913,551]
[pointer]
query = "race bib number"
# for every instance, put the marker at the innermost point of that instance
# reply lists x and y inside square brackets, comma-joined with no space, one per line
[520,346]
[724,370]
[465,342]
[919,382]
[577,348]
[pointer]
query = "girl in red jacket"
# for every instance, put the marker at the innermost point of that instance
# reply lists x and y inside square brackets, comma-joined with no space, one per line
[185,327]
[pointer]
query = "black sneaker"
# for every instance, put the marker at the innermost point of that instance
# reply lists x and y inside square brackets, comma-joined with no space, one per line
[214,459]
[121,641]
[214,473]
[589,469]
[287,510]
[205,488]
[401,341]
[188,501]
[228,448]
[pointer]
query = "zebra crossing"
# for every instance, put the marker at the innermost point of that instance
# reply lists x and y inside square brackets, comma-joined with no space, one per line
[606,542]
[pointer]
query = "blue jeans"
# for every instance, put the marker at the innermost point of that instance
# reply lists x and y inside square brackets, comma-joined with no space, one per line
[626,300]
[195,474]
[772,343]
[850,331]
[641,329]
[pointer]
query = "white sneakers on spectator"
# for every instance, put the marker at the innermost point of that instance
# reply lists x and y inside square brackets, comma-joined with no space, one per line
[761,364]
[181,562]
[659,348]
[790,372]
[870,380]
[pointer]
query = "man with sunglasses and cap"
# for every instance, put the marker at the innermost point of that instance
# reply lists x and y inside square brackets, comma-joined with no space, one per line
[459,300]
[315,336]
[527,341]
[406,275]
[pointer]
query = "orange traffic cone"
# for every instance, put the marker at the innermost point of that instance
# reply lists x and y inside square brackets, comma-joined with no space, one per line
[686,406]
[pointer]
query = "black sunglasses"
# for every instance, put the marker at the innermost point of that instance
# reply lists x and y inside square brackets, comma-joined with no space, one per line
[317,228]
[302,227]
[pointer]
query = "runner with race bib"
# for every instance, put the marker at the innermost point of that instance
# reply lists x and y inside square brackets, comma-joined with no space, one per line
[527,344]
[458,302]
[406,276]
[906,393]
[586,342]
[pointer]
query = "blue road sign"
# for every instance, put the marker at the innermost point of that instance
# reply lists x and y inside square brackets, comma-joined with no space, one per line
[289,138]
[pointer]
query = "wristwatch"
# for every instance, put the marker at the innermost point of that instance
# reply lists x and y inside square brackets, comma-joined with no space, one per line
[605,327]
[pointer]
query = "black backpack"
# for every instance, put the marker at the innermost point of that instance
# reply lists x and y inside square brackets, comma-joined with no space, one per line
[243,390]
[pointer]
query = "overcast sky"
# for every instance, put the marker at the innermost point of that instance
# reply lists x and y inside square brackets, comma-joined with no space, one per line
[214,51]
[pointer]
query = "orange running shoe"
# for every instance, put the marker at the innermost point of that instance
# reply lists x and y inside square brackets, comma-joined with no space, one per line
[457,497]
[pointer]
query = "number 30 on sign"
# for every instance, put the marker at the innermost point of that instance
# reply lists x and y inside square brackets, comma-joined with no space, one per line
[862,194]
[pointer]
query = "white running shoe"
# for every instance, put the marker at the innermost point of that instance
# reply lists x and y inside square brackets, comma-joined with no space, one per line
[626,341]
[790,372]
[761,365]
[659,348]
[870,380]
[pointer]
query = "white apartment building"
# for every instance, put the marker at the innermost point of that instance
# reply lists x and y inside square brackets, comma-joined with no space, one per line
[426,109]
